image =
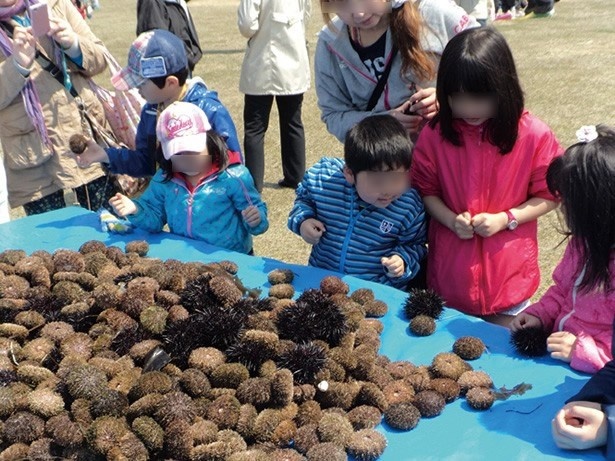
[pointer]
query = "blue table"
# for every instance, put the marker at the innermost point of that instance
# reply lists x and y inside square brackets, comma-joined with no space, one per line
[515,429]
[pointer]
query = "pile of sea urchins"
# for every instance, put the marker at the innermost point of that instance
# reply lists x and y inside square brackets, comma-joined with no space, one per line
[108,354]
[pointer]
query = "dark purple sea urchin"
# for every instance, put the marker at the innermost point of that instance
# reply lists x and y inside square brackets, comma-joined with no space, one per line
[304,361]
[314,316]
[530,342]
[425,302]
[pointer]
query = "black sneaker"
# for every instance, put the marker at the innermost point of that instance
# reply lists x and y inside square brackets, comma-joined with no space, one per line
[285,183]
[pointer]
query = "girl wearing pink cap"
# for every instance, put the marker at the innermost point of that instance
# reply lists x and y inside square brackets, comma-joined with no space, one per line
[202,190]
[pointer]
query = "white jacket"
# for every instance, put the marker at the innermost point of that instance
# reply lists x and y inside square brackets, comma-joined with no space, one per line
[276,60]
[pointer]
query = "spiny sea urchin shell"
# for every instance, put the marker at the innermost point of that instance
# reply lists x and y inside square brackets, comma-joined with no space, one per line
[375,308]
[304,361]
[530,342]
[141,247]
[399,391]
[313,316]
[474,378]
[23,427]
[423,325]
[327,451]
[335,428]
[469,347]
[423,302]
[364,417]
[429,403]
[480,398]
[362,295]
[366,445]
[402,416]
[84,381]
[282,291]
[446,387]
[449,365]
[278,276]
[331,285]
[253,348]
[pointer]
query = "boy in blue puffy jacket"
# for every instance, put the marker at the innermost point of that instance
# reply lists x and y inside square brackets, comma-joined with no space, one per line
[360,214]
[158,67]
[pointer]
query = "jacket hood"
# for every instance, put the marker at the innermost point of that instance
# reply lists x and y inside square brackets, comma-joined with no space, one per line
[330,32]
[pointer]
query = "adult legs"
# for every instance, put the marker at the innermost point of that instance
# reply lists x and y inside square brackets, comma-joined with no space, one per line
[292,139]
[50,202]
[256,110]
[96,194]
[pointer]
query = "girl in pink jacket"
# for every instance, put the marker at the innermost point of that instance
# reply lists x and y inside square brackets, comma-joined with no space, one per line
[579,308]
[480,166]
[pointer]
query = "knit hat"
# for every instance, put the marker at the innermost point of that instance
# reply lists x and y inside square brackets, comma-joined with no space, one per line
[155,53]
[182,127]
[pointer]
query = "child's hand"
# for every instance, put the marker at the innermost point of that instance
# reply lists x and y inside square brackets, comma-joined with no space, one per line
[393,265]
[92,154]
[487,224]
[311,230]
[122,205]
[561,344]
[524,321]
[579,426]
[251,216]
[463,226]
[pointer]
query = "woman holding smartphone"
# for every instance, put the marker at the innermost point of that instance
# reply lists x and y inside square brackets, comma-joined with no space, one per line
[43,66]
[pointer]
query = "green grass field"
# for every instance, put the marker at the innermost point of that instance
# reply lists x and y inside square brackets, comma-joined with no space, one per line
[566,65]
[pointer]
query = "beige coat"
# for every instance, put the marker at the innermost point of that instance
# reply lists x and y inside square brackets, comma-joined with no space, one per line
[32,170]
[276,60]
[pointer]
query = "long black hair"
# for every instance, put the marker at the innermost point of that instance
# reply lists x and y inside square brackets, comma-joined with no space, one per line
[216,147]
[584,180]
[479,61]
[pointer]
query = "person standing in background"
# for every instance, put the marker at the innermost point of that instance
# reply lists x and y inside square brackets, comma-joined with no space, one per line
[4,195]
[174,16]
[481,10]
[43,84]
[275,65]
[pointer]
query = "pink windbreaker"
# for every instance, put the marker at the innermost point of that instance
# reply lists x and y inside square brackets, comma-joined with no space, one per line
[589,316]
[484,275]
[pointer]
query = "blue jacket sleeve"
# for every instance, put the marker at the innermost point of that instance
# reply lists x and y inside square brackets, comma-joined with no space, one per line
[303,208]
[243,194]
[151,213]
[142,161]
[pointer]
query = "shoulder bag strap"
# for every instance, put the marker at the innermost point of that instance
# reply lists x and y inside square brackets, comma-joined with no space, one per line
[373,99]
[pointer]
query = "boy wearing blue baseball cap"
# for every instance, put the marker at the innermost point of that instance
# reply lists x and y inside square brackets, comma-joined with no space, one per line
[158,67]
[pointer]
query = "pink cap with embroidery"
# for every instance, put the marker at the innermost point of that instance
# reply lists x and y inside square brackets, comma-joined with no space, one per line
[182,127]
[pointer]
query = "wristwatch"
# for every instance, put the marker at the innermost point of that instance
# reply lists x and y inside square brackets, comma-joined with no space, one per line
[512,221]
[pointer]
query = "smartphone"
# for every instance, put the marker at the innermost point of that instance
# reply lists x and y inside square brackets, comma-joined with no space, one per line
[39,18]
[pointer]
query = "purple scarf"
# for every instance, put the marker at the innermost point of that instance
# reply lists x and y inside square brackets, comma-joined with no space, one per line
[29,94]
[7,12]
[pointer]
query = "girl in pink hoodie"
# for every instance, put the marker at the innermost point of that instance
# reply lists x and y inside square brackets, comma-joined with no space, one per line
[480,166]
[579,308]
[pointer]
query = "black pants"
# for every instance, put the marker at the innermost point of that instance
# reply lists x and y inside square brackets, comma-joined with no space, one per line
[256,113]
[92,196]
[540,6]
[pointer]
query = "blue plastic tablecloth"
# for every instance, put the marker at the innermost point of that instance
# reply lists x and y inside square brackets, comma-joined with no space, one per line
[516,429]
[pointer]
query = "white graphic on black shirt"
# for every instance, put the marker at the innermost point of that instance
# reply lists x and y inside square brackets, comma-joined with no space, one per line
[375,67]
